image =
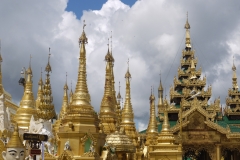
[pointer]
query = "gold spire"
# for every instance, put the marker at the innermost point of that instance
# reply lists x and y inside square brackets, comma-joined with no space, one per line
[112,75]
[85,118]
[81,95]
[1,86]
[48,66]
[234,78]
[127,111]
[119,97]
[107,110]
[119,112]
[27,104]
[40,91]
[70,95]
[160,97]
[65,99]
[152,131]
[188,39]
[46,109]
[165,136]
[15,141]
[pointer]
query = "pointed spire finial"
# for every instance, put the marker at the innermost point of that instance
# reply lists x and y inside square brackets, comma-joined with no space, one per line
[0,51]
[66,77]
[128,75]
[83,38]
[49,54]
[40,82]
[30,60]
[234,67]
[66,86]
[187,25]
[119,86]
[119,95]
[111,41]
[48,67]
[108,56]
[84,24]
[29,70]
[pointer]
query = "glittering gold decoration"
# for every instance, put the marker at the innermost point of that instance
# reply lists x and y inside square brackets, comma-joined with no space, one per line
[120,142]
[46,109]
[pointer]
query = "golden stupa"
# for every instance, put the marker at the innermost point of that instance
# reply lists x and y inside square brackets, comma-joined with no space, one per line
[27,105]
[107,113]
[78,132]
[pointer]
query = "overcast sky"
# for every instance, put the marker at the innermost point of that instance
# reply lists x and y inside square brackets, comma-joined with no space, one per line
[150,33]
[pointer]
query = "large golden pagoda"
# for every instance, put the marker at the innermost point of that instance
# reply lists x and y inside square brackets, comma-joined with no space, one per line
[107,113]
[27,105]
[127,120]
[79,133]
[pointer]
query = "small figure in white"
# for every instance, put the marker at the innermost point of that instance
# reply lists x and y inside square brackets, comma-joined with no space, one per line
[67,146]
[91,149]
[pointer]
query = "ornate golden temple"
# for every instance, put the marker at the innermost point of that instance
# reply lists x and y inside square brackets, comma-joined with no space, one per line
[186,127]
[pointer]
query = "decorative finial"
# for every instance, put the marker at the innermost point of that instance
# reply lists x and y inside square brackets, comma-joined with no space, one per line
[49,53]
[119,95]
[30,60]
[111,41]
[48,67]
[234,67]
[66,77]
[119,86]
[84,24]
[128,75]
[0,51]
[29,70]
[187,25]
[66,86]
[83,38]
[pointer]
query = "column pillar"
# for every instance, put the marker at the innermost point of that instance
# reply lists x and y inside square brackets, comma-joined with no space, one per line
[218,151]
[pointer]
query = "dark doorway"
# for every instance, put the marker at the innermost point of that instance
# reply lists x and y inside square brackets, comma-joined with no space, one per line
[232,154]
[202,155]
